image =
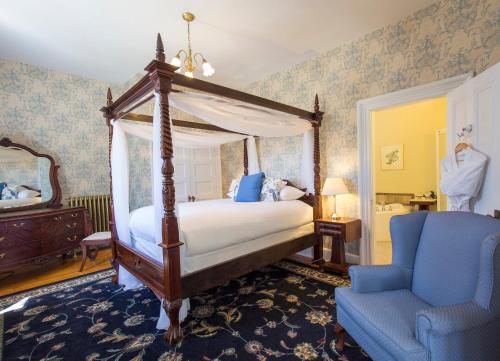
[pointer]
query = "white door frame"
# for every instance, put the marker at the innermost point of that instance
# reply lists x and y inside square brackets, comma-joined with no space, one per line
[364,110]
[438,166]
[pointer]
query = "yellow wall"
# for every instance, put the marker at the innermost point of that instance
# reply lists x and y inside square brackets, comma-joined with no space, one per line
[413,125]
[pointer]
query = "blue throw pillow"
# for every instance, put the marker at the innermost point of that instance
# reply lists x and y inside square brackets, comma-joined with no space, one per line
[250,187]
[2,186]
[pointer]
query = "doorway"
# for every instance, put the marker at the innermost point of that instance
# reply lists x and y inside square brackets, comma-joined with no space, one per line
[404,165]
[365,111]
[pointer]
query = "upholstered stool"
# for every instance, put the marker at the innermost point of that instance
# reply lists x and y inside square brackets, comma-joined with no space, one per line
[94,240]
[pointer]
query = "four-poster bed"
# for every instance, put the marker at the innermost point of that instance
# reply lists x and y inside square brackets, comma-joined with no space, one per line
[164,278]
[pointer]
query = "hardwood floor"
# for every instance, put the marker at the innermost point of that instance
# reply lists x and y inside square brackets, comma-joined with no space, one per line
[54,271]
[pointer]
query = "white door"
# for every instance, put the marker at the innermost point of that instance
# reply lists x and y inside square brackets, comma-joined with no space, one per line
[197,173]
[205,173]
[181,174]
[485,109]
[475,105]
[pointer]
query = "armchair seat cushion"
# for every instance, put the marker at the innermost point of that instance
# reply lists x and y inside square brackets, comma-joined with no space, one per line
[388,318]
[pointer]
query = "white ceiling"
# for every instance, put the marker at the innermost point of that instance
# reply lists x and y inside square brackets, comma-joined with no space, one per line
[244,40]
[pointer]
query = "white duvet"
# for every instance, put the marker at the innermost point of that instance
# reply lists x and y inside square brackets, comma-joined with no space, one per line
[206,226]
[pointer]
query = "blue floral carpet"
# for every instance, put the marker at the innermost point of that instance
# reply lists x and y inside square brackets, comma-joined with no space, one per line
[283,312]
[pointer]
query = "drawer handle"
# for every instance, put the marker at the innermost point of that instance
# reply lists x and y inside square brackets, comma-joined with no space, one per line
[57,218]
[18,225]
[2,255]
[74,215]
[71,239]
[328,231]
[71,225]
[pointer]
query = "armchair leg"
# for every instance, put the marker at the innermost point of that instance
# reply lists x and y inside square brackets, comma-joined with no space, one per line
[173,335]
[340,331]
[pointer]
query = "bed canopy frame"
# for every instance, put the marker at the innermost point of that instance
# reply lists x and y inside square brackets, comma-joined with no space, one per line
[165,279]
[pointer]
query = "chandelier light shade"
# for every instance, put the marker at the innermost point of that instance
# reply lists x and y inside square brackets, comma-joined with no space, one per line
[187,60]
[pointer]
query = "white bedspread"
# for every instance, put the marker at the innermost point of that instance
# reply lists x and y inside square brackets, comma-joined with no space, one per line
[206,226]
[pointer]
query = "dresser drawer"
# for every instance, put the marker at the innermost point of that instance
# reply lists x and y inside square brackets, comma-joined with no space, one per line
[20,252]
[16,239]
[73,215]
[22,225]
[330,228]
[67,232]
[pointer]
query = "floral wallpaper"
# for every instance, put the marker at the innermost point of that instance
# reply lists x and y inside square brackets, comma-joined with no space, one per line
[448,38]
[58,114]
[21,172]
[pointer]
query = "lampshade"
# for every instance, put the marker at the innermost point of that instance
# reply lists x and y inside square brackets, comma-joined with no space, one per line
[176,61]
[334,186]
[207,68]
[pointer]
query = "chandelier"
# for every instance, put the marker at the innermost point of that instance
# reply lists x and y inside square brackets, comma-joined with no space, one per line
[191,61]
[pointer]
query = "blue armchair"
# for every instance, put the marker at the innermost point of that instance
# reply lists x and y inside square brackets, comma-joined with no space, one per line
[439,300]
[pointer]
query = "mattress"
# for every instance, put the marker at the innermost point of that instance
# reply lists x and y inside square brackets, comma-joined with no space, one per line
[199,262]
[208,226]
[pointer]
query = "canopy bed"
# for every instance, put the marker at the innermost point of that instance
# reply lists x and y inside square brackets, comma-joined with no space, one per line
[180,250]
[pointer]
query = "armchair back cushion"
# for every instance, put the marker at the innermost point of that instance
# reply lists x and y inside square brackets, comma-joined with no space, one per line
[446,266]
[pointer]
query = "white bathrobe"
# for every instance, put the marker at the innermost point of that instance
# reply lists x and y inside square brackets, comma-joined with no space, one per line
[462,177]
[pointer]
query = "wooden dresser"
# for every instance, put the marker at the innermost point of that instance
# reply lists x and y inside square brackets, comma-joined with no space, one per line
[32,236]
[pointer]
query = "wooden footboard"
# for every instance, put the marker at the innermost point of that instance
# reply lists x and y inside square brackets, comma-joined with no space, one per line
[221,273]
[146,269]
[150,271]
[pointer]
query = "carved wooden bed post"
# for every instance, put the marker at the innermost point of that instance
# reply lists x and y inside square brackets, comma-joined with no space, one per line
[161,74]
[245,157]
[318,208]
[114,237]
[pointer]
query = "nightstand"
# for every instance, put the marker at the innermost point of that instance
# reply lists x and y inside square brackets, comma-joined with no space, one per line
[341,230]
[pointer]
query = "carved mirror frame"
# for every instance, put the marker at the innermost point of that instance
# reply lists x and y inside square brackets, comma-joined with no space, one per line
[55,201]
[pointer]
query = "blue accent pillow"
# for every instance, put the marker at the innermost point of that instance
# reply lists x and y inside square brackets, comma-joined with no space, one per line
[2,186]
[250,187]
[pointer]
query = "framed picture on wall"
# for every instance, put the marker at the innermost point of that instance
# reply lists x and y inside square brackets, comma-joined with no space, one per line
[392,157]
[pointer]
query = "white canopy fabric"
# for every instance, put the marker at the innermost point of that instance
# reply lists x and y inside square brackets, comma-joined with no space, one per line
[253,160]
[238,116]
[182,137]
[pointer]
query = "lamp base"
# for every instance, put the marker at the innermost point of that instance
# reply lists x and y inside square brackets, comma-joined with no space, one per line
[335,217]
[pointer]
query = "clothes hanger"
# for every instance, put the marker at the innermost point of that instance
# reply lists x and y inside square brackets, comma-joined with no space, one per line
[460,147]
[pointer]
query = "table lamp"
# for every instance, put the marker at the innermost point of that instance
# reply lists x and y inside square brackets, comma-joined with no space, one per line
[332,187]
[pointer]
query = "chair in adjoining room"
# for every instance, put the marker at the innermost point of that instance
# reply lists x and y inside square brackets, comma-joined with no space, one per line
[439,300]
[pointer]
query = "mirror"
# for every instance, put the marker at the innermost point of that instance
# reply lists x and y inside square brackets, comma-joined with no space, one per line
[28,180]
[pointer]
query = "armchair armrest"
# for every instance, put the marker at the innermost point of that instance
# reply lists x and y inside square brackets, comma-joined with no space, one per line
[366,279]
[465,328]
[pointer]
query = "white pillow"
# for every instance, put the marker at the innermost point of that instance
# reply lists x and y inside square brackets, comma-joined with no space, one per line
[271,188]
[289,193]
[233,188]
[27,193]
[9,192]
